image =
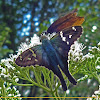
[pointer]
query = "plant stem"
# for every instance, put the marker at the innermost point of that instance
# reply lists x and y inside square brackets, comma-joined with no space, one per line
[57,87]
[23,84]
[54,95]
[3,92]
[41,86]
[57,95]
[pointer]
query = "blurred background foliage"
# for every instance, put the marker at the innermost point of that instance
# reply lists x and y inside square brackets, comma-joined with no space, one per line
[20,19]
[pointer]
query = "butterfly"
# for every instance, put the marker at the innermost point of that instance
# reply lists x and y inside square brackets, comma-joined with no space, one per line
[53,52]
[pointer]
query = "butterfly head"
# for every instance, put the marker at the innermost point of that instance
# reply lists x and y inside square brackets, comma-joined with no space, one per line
[46,36]
[43,36]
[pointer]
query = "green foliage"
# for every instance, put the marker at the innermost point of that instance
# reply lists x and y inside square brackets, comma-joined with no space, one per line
[45,79]
[12,15]
[4,34]
[86,64]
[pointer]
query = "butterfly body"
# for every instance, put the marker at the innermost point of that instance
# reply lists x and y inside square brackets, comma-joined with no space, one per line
[53,51]
[54,60]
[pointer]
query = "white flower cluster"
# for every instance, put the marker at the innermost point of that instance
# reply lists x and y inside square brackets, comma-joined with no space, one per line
[24,46]
[76,51]
[98,67]
[4,70]
[10,92]
[99,44]
[87,56]
[4,75]
[34,41]
[83,78]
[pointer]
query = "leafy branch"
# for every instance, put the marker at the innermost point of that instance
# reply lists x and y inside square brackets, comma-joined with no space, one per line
[88,65]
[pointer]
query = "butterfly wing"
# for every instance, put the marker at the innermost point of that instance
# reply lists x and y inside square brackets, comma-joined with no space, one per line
[66,21]
[71,34]
[37,56]
[32,56]
[69,30]
[63,47]
[64,40]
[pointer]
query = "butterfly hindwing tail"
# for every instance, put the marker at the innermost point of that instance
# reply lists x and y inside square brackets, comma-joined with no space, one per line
[66,71]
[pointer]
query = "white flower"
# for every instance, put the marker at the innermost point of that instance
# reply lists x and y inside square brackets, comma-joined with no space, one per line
[6,62]
[22,48]
[9,65]
[17,92]
[14,88]
[17,79]
[3,70]
[86,40]
[82,78]
[93,96]
[77,58]
[9,95]
[76,49]
[18,95]
[2,74]
[94,47]
[56,83]
[8,88]
[88,81]
[26,92]
[94,27]
[12,57]
[98,43]
[35,40]
[79,46]
[67,91]
[97,92]
[98,67]
[87,56]
[7,75]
